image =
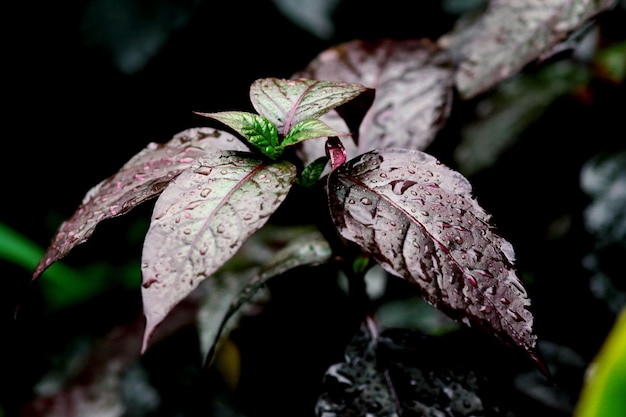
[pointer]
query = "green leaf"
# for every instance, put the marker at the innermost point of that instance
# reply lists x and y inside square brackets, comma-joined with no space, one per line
[259,131]
[312,172]
[309,129]
[604,391]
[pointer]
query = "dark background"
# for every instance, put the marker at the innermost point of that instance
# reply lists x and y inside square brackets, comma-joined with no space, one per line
[73,117]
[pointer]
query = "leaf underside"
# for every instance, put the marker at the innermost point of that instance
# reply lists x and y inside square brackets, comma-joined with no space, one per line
[200,221]
[419,220]
[143,177]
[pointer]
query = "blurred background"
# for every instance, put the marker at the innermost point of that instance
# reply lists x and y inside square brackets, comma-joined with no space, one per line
[89,84]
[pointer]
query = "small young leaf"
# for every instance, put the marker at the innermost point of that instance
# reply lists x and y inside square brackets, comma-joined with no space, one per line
[312,172]
[259,131]
[143,177]
[289,102]
[335,152]
[201,220]
[309,129]
[419,220]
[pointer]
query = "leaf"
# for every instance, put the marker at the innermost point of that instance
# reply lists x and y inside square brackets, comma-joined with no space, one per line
[419,221]
[514,105]
[255,129]
[414,84]
[310,129]
[289,102]
[310,249]
[201,220]
[511,34]
[383,375]
[143,177]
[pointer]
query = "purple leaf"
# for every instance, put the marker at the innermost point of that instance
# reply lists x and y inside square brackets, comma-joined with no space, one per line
[143,177]
[413,81]
[288,102]
[419,220]
[511,34]
[200,221]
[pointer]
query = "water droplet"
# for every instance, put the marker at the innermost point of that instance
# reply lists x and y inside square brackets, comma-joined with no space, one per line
[223,172]
[351,201]
[516,316]
[149,282]
[247,216]
[204,170]
[205,192]
[220,228]
[471,280]
[187,231]
[484,273]
[424,213]
[366,201]
[505,301]
[485,309]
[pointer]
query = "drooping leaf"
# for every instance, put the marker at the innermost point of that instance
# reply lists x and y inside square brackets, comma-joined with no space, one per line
[289,102]
[201,220]
[511,34]
[256,129]
[309,249]
[413,80]
[383,376]
[420,221]
[143,177]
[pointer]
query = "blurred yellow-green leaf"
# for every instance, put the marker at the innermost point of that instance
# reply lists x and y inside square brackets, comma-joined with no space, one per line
[604,391]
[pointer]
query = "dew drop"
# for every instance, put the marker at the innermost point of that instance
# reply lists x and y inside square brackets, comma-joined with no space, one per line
[505,301]
[220,228]
[366,201]
[204,170]
[205,192]
[149,282]
[351,201]
[516,316]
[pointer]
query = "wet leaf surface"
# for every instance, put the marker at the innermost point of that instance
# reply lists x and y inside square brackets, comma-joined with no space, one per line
[420,221]
[201,220]
[413,81]
[289,102]
[143,177]
[511,34]
[398,374]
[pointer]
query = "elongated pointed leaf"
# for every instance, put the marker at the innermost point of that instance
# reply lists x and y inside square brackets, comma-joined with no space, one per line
[511,34]
[310,129]
[201,220]
[143,177]
[419,220]
[309,249]
[288,102]
[256,129]
[414,81]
